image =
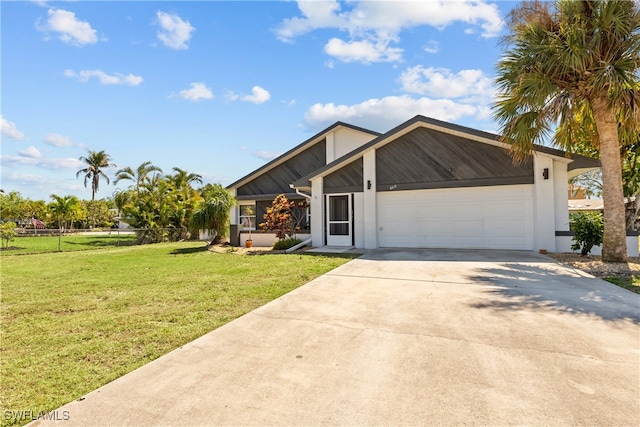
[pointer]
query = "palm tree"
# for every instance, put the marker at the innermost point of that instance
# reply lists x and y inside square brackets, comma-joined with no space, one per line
[182,179]
[139,176]
[63,209]
[567,60]
[95,161]
[213,213]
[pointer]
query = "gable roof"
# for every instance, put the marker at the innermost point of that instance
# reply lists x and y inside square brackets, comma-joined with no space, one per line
[296,150]
[575,162]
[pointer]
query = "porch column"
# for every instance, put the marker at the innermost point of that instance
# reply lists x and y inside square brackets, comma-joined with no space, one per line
[370,204]
[561,195]
[544,214]
[317,212]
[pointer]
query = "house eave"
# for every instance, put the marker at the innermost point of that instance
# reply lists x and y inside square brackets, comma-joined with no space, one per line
[296,150]
[449,128]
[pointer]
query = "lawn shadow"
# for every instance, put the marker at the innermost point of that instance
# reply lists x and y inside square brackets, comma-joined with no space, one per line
[186,251]
[518,286]
[100,243]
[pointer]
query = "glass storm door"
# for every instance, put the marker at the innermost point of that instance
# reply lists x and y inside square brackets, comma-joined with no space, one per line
[339,220]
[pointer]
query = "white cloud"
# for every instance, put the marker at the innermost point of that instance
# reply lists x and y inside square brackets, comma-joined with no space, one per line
[174,32]
[315,14]
[10,130]
[45,163]
[197,92]
[69,28]
[58,140]
[383,114]
[365,51]
[258,95]
[373,25]
[266,155]
[468,85]
[31,152]
[39,187]
[104,78]
[432,46]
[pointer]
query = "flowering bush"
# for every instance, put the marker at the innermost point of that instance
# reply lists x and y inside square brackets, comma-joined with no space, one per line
[285,217]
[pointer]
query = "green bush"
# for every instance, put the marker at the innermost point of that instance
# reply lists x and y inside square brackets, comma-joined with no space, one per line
[284,244]
[7,233]
[588,228]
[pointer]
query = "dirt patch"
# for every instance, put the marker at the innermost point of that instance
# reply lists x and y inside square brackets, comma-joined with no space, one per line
[226,248]
[593,264]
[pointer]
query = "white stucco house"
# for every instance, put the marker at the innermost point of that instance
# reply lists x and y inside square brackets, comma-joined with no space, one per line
[423,184]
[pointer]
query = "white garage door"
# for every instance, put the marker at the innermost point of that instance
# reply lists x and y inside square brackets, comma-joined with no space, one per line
[499,217]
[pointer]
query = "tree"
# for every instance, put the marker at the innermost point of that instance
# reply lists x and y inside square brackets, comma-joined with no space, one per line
[7,233]
[212,214]
[65,209]
[96,161]
[285,216]
[10,205]
[567,60]
[139,176]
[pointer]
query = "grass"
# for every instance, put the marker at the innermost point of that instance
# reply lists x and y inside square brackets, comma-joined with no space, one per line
[630,283]
[72,322]
[39,244]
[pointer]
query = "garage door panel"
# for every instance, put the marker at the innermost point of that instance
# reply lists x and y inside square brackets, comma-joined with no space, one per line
[482,217]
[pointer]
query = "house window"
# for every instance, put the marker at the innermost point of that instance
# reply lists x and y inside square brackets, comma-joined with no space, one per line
[248,217]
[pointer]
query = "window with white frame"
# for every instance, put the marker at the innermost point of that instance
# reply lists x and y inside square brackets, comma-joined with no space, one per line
[248,216]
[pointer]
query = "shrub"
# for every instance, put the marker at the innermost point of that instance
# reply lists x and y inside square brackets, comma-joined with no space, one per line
[588,228]
[284,244]
[285,217]
[7,233]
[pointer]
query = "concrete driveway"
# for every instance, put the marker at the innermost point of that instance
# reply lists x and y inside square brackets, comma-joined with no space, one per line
[420,337]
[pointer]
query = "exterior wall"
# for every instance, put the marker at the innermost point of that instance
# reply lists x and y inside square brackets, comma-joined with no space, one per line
[359,218]
[563,244]
[265,240]
[561,195]
[346,140]
[370,228]
[426,159]
[317,212]
[544,217]
[277,180]
[345,180]
[233,214]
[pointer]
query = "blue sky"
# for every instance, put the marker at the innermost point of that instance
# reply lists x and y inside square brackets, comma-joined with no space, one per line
[220,88]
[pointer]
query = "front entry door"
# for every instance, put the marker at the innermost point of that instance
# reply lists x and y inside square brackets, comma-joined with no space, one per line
[339,226]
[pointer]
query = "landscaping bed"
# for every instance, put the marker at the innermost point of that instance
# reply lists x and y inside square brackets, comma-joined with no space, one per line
[626,275]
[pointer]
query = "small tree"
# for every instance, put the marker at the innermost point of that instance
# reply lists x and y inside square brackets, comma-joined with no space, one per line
[285,217]
[588,228]
[212,214]
[8,233]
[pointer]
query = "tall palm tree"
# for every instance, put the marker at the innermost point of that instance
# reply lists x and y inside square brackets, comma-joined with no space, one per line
[139,176]
[182,179]
[95,161]
[63,209]
[574,59]
[212,214]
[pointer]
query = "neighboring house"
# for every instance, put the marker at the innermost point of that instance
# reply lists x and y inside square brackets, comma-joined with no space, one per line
[423,184]
[582,204]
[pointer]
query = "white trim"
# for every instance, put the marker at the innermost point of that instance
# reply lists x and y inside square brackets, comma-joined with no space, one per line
[339,239]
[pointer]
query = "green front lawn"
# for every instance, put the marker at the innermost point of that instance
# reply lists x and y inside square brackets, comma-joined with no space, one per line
[74,321]
[37,244]
[630,283]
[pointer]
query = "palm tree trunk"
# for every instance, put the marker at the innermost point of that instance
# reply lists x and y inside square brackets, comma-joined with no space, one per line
[614,246]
